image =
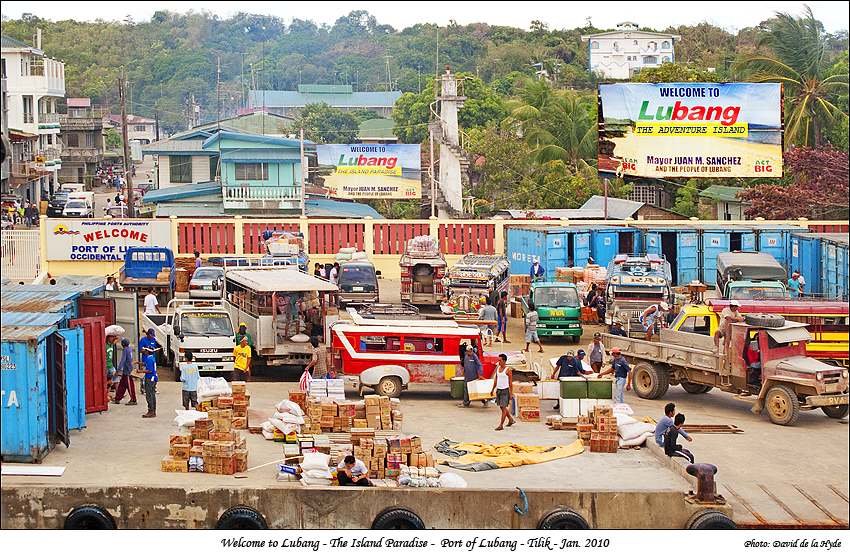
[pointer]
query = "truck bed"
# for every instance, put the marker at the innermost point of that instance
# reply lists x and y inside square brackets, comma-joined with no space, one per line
[676,348]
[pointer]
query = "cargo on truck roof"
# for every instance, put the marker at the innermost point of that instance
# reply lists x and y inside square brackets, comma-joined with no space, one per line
[279,279]
[753,265]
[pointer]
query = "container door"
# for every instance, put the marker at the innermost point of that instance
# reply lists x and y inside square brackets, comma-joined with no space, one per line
[75,382]
[605,245]
[713,243]
[775,244]
[805,257]
[687,258]
[89,307]
[841,262]
[581,248]
[556,252]
[94,340]
[748,241]
[56,392]
[524,246]
[126,311]
[652,242]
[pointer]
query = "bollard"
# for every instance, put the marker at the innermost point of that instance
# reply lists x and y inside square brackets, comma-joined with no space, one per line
[706,488]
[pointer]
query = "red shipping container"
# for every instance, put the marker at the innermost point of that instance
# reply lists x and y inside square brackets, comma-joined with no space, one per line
[94,339]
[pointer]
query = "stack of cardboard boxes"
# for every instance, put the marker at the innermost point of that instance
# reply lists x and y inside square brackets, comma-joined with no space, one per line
[333,416]
[603,431]
[212,446]
[528,406]
[233,406]
[333,389]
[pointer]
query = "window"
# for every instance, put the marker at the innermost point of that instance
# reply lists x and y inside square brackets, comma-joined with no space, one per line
[213,167]
[252,171]
[634,42]
[594,45]
[665,59]
[652,46]
[139,128]
[423,345]
[89,140]
[180,168]
[650,60]
[694,324]
[665,44]
[616,47]
[371,343]
[28,115]
[72,140]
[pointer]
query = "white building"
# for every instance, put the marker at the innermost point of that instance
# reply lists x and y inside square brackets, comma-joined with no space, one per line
[622,53]
[35,84]
[139,128]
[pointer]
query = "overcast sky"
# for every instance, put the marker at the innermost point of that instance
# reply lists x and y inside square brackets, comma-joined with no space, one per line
[729,15]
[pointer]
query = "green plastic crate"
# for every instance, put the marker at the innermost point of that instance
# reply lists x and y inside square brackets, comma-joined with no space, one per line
[600,389]
[457,387]
[573,388]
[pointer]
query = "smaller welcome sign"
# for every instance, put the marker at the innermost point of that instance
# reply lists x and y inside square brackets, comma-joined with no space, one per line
[103,240]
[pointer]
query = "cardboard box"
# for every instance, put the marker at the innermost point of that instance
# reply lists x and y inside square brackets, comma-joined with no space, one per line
[179,438]
[180,450]
[240,422]
[239,387]
[170,464]
[527,400]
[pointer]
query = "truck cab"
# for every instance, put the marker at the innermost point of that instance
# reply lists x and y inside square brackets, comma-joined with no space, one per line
[558,308]
[149,268]
[203,328]
[635,283]
[750,275]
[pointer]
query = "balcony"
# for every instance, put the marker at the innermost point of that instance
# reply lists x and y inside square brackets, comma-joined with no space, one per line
[82,154]
[89,122]
[261,197]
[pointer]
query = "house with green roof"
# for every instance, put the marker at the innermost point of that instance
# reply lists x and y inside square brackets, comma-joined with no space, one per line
[723,202]
[377,131]
[344,97]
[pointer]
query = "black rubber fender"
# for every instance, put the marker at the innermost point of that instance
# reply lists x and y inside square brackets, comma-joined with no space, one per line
[397,519]
[563,519]
[241,517]
[710,519]
[89,517]
[765,320]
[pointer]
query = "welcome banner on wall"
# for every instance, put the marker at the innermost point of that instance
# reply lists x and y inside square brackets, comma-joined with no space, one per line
[103,240]
[365,171]
[691,129]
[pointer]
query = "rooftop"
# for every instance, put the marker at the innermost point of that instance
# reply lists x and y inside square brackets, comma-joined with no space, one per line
[15,44]
[722,193]
[78,102]
[618,208]
[377,129]
[339,99]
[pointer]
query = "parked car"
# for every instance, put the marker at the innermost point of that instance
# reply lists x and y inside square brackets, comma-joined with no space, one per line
[207,283]
[78,208]
[56,204]
[116,211]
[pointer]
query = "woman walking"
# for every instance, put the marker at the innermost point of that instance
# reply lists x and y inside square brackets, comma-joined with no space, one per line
[503,386]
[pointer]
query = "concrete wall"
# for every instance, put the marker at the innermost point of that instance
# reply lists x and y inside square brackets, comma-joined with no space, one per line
[298,507]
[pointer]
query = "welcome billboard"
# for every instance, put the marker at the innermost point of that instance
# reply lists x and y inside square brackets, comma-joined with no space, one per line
[691,129]
[365,171]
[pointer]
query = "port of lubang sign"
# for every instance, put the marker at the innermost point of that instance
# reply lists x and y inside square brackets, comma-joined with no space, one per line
[103,240]
[370,171]
[691,129]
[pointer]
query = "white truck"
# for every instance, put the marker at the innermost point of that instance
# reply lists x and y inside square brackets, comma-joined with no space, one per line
[203,328]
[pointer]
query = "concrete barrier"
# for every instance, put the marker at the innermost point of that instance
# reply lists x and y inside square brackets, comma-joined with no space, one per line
[42,507]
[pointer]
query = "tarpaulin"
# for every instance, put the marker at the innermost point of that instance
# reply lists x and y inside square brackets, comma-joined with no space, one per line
[487,456]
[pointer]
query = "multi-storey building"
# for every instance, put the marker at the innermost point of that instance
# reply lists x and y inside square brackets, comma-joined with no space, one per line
[83,143]
[622,53]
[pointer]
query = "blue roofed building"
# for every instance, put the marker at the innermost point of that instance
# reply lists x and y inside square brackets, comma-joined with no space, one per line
[344,97]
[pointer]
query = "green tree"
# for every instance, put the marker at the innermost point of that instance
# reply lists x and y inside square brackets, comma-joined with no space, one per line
[687,199]
[113,139]
[326,125]
[676,73]
[798,60]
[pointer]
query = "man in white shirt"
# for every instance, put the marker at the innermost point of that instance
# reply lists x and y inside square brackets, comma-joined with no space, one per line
[110,283]
[333,277]
[728,316]
[151,303]
[352,472]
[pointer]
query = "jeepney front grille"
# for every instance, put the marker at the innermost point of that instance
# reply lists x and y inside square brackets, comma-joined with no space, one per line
[832,378]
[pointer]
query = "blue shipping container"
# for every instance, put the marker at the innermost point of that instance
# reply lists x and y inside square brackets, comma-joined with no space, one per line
[776,241]
[719,240]
[75,377]
[553,247]
[606,243]
[679,247]
[806,258]
[834,260]
[40,301]
[25,411]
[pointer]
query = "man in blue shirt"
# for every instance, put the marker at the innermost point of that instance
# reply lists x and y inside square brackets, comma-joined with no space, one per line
[149,384]
[189,376]
[472,370]
[794,285]
[665,422]
[622,372]
[537,272]
[148,344]
[568,366]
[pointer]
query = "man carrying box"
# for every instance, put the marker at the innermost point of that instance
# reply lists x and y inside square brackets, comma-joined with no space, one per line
[472,370]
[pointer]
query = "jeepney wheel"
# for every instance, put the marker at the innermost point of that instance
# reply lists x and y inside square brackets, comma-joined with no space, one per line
[389,386]
[782,404]
[837,411]
[650,381]
[695,388]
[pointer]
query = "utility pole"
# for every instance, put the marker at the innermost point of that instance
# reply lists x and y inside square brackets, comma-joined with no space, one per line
[431,164]
[387,57]
[131,208]
[218,89]
[303,173]
[156,119]
[605,199]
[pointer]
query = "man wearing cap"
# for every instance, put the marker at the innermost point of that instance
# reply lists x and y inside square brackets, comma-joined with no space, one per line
[728,316]
[622,373]
[617,328]
[537,271]
[243,332]
[580,357]
[649,316]
[568,366]
[148,344]
[597,352]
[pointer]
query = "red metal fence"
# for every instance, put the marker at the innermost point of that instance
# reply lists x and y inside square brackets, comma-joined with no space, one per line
[206,238]
[252,235]
[829,228]
[329,238]
[391,238]
[468,238]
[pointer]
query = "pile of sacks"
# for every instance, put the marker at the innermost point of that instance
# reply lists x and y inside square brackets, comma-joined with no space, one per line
[632,432]
[315,470]
[422,244]
[287,419]
[346,254]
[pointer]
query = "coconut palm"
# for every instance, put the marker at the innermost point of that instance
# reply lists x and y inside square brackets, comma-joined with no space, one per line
[799,62]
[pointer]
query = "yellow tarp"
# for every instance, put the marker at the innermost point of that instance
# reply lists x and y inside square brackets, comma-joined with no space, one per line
[506,455]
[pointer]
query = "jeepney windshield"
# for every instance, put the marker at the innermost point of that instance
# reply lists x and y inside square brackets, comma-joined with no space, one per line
[556,296]
[757,292]
[206,323]
[357,275]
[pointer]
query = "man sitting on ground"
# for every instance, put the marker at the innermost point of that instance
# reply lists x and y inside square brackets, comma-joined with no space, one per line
[352,472]
[671,448]
[665,422]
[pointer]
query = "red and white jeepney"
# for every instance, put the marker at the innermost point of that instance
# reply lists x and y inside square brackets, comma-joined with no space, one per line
[388,355]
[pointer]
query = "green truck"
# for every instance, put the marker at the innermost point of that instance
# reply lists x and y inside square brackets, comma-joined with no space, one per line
[558,308]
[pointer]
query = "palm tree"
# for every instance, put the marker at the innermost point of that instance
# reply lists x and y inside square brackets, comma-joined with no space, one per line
[799,62]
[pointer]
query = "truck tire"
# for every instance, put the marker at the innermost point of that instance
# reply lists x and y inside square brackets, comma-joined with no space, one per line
[696,388]
[765,320]
[563,519]
[398,519]
[89,517]
[650,381]
[710,520]
[241,518]
[837,411]
[782,405]
[389,386]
